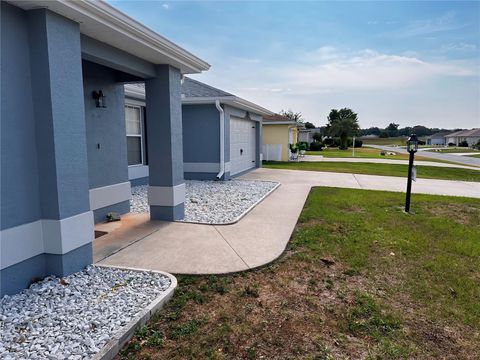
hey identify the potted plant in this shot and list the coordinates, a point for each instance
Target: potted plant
(302, 147)
(294, 151)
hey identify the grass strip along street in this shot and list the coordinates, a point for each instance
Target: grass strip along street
(427, 172)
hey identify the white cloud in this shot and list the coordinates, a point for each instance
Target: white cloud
(459, 47)
(332, 70)
(445, 22)
(328, 77)
(166, 6)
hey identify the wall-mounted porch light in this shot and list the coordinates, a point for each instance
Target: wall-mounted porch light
(99, 99)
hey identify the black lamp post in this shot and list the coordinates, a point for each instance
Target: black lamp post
(412, 147)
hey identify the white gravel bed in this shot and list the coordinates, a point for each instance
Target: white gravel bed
(212, 202)
(75, 316)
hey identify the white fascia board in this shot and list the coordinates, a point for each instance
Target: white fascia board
(234, 101)
(206, 100)
(103, 22)
(279, 123)
(249, 106)
(134, 92)
(229, 100)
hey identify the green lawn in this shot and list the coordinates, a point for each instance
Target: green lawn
(428, 172)
(475, 156)
(370, 153)
(362, 152)
(453, 150)
(400, 140)
(360, 279)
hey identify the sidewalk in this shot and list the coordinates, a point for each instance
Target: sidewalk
(319, 158)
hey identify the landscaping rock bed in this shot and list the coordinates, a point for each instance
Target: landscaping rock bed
(212, 202)
(75, 316)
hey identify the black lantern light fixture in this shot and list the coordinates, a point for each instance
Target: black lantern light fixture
(412, 143)
(412, 147)
(99, 99)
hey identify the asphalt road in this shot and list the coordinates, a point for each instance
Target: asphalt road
(466, 160)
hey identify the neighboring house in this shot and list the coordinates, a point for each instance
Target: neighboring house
(278, 132)
(221, 133)
(437, 138)
(472, 137)
(63, 143)
(306, 135)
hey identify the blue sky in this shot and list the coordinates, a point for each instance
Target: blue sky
(404, 62)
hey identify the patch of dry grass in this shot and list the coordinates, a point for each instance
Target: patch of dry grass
(400, 286)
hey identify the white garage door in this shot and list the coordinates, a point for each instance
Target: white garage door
(242, 145)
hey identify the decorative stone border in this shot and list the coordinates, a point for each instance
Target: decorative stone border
(113, 347)
(238, 218)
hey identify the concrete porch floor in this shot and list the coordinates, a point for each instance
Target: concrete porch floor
(259, 238)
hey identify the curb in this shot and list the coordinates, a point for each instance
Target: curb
(113, 347)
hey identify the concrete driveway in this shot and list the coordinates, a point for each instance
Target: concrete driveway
(259, 238)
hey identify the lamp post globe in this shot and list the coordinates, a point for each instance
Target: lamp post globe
(412, 143)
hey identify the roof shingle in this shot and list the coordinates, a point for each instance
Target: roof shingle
(194, 89)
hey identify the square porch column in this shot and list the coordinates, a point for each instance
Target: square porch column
(166, 192)
(57, 87)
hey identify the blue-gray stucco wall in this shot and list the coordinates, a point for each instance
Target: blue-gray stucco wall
(19, 276)
(100, 215)
(201, 127)
(19, 168)
(44, 172)
(106, 132)
(139, 181)
(57, 91)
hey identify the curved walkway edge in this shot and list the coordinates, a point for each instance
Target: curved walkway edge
(258, 239)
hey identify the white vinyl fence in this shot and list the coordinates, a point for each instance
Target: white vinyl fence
(272, 152)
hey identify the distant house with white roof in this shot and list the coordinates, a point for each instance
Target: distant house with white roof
(472, 137)
(437, 138)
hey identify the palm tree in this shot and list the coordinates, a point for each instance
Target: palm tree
(342, 123)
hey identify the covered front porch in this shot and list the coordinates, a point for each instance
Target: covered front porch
(108, 146)
(66, 64)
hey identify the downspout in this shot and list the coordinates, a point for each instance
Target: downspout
(222, 140)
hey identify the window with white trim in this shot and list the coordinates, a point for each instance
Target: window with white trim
(133, 120)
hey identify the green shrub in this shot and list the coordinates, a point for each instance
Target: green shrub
(303, 145)
(463, 143)
(358, 143)
(316, 146)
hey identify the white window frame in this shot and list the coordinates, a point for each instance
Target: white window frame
(142, 155)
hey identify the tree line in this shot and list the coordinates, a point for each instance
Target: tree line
(394, 130)
(349, 119)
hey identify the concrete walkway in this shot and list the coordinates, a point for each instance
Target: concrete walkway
(319, 158)
(259, 238)
(466, 153)
(465, 160)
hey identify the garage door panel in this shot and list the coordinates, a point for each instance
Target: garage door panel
(242, 145)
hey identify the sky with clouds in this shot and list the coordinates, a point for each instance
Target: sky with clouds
(404, 62)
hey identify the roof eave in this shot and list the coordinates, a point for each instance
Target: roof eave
(100, 12)
(229, 100)
(279, 123)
